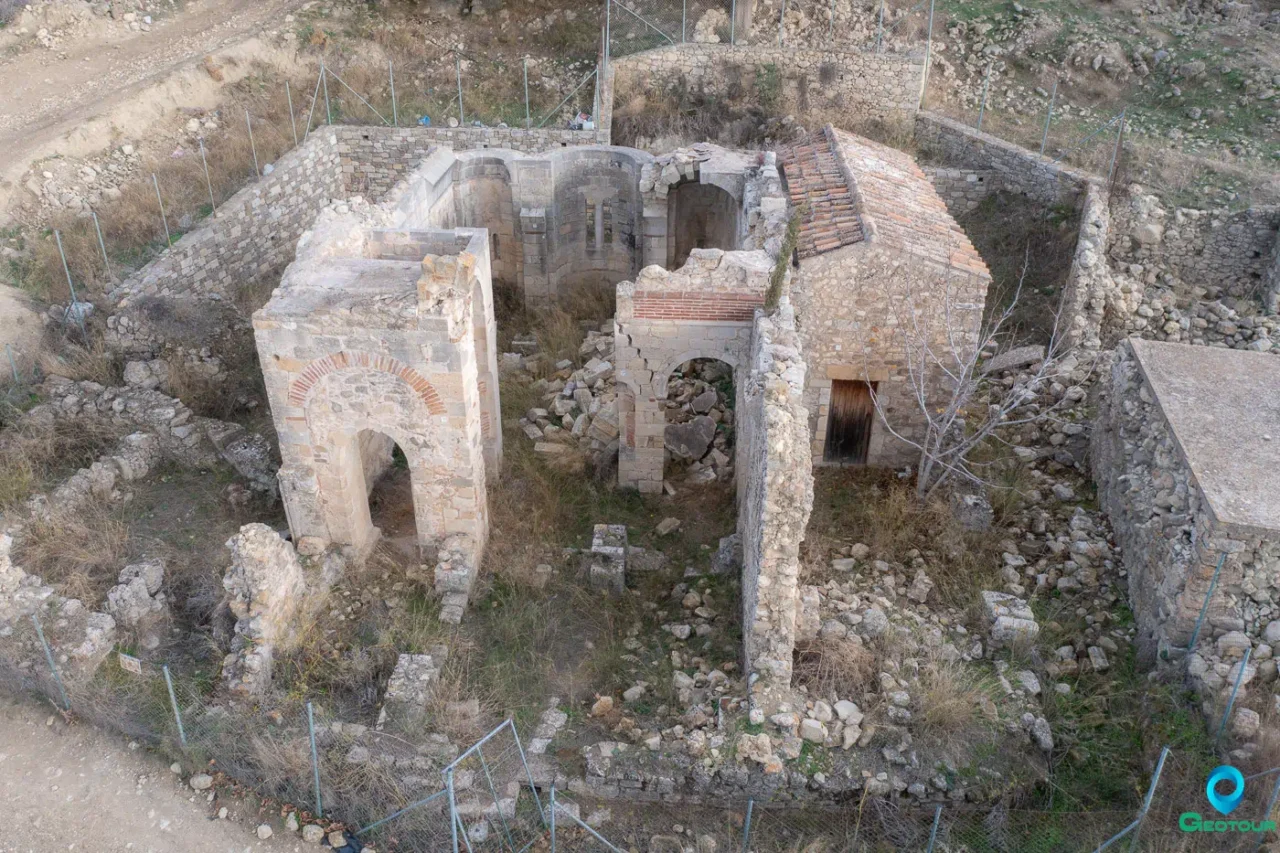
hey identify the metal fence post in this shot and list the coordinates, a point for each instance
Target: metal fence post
(1231, 703)
(1115, 155)
(733, 22)
(453, 808)
(933, 833)
(1044, 140)
(97, 226)
(165, 222)
(553, 818)
(213, 208)
(982, 108)
(293, 124)
(528, 120)
(831, 29)
(79, 316)
(928, 55)
(315, 759)
(462, 115)
(1271, 804)
(248, 122)
(782, 20)
(608, 34)
(324, 81)
(746, 830)
(1204, 608)
(391, 74)
(1146, 802)
(48, 656)
(684, 20)
(880, 28)
(13, 363)
(173, 700)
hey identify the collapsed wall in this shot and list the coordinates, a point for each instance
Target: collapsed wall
(775, 502)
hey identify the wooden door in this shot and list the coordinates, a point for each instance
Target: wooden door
(849, 420)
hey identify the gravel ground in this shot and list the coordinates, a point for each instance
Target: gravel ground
(76, 788)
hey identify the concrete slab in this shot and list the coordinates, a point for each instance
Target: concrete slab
(1223, 406)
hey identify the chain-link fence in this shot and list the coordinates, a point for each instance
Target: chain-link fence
(636, 25)
(409, 793)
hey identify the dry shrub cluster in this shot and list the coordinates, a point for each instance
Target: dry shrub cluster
(80, 552)
(880, 510)
(131, 225)
(954, 702)
(835, 667)
(33, 459)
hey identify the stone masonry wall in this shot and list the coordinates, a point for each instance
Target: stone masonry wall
(702, 310)
(854, 85)
(963, 189)
(955, 145)
(850, 305)
(1170, 542)
(253, 234)
(375, 158)
(776, 500)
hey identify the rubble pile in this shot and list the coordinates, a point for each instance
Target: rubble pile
(699, 413)
(579, 419)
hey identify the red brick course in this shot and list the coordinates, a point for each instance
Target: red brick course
(663, 305)
(321, 367)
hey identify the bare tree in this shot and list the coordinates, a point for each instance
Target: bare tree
(961, 410)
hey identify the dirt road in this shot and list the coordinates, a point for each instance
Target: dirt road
(76, 788)
(106, 80)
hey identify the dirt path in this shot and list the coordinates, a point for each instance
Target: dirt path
(76, 788)
(107, 81)
(43, 91)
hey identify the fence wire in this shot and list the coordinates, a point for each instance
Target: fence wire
(636, 25)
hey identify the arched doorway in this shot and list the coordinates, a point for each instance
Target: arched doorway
(389, 490)
(699, 409)
(699, 216)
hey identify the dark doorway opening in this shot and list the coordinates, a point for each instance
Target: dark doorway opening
(849, 419)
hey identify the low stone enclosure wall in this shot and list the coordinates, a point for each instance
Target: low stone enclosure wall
(1186, 464)
(853, 86)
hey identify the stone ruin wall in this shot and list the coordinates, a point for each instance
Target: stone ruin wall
(663, 319)
(849, 87)
(1172, 544)
(376, 158)
(775, 499)
(1189, 275)
(847, 304)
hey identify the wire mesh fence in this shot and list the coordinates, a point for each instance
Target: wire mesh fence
(637, 25)
(401, 793)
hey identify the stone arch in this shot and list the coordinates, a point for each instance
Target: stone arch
(300, 389)
(662, 375)
(346, 403)
(700, 215)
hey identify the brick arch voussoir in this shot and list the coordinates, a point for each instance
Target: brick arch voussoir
(302, 387)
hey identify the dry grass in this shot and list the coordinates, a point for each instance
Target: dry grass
(92, 363)
(33, 459)
(80, 552)
(952, 704)
(131, 225)
(836, 668)
(876, 508)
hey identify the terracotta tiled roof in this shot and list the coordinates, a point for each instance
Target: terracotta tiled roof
(847, 187)
(819, 190)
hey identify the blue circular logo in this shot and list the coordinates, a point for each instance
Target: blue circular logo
(1225, 803)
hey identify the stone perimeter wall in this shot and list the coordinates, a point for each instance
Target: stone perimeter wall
(775, 501)
(252, 235)
(1171, 542)
(857, 86)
